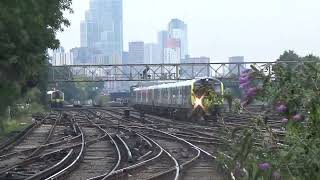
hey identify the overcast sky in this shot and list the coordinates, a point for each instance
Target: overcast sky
(257, 29)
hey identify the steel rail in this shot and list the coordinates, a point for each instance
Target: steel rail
(179, 166)
(67, 169)
(203, 151)
(17, 139)
(112, 142)
(48, 137)
(121, 171)
(54, 168)
(140, 164)
(42, 146)
(129, 154)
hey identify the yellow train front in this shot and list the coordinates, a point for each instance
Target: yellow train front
(56, 98)
(197, 98)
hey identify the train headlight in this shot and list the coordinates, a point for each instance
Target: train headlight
(198, 102)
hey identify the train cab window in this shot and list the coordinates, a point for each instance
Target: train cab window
(56, 95)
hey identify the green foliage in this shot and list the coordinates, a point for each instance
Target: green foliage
(80, 91)
(101, 100)
(296, 87)
(89, 90)
(11, 126)
(27, 29)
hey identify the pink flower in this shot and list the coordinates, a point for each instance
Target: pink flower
(282, 108)
(264, 166)
(285, 120)
(297, 117)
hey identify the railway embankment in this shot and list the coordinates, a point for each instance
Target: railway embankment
(13, 126)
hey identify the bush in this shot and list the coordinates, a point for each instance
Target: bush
(293, 91)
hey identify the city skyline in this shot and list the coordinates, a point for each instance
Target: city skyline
(102, 29)
(219, 29)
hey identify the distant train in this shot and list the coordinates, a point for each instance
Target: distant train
(198, 98)
(77, 103)
(56, 98)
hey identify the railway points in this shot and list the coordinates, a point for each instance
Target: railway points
(107, 143)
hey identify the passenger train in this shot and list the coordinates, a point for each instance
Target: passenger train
(197, 98)
(56, 98)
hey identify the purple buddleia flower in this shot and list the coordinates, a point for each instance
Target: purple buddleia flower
(264, 166)
(297, 117)
(285, 120)
(245, 71)
(282, 108)
(252, 92)
(245, 85)
(244, 79)
(276, 175)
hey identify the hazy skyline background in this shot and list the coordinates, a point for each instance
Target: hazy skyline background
(260, 30)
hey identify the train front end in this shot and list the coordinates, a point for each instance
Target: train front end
(56, 99)
(207, 97)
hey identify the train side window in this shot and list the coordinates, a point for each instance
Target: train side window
(179, 95)
(152, 95)
(147, 95)
(185, 95)
(169, 96)
(136, 96)
(176, 95)
(160, 96)
(141, 95)
(188, 94)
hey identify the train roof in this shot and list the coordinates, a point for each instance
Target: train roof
(53, 91)
(177, 84)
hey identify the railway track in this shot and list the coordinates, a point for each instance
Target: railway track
(183, 152)
(105, 144)
(101, 153)
(28, 159)
(26, 145)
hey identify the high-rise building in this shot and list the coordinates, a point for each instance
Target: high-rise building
(83, 55)
(125, 57)
(136, 52)
(162, 40)
(236, 67)
(189, 69)
(60, 57)
(102, 29)
(178, 30)
(152, 54)
(172, 51)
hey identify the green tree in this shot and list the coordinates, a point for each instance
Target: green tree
(27, 29)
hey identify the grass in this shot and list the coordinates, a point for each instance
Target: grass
(22, 120)
(13, 125)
